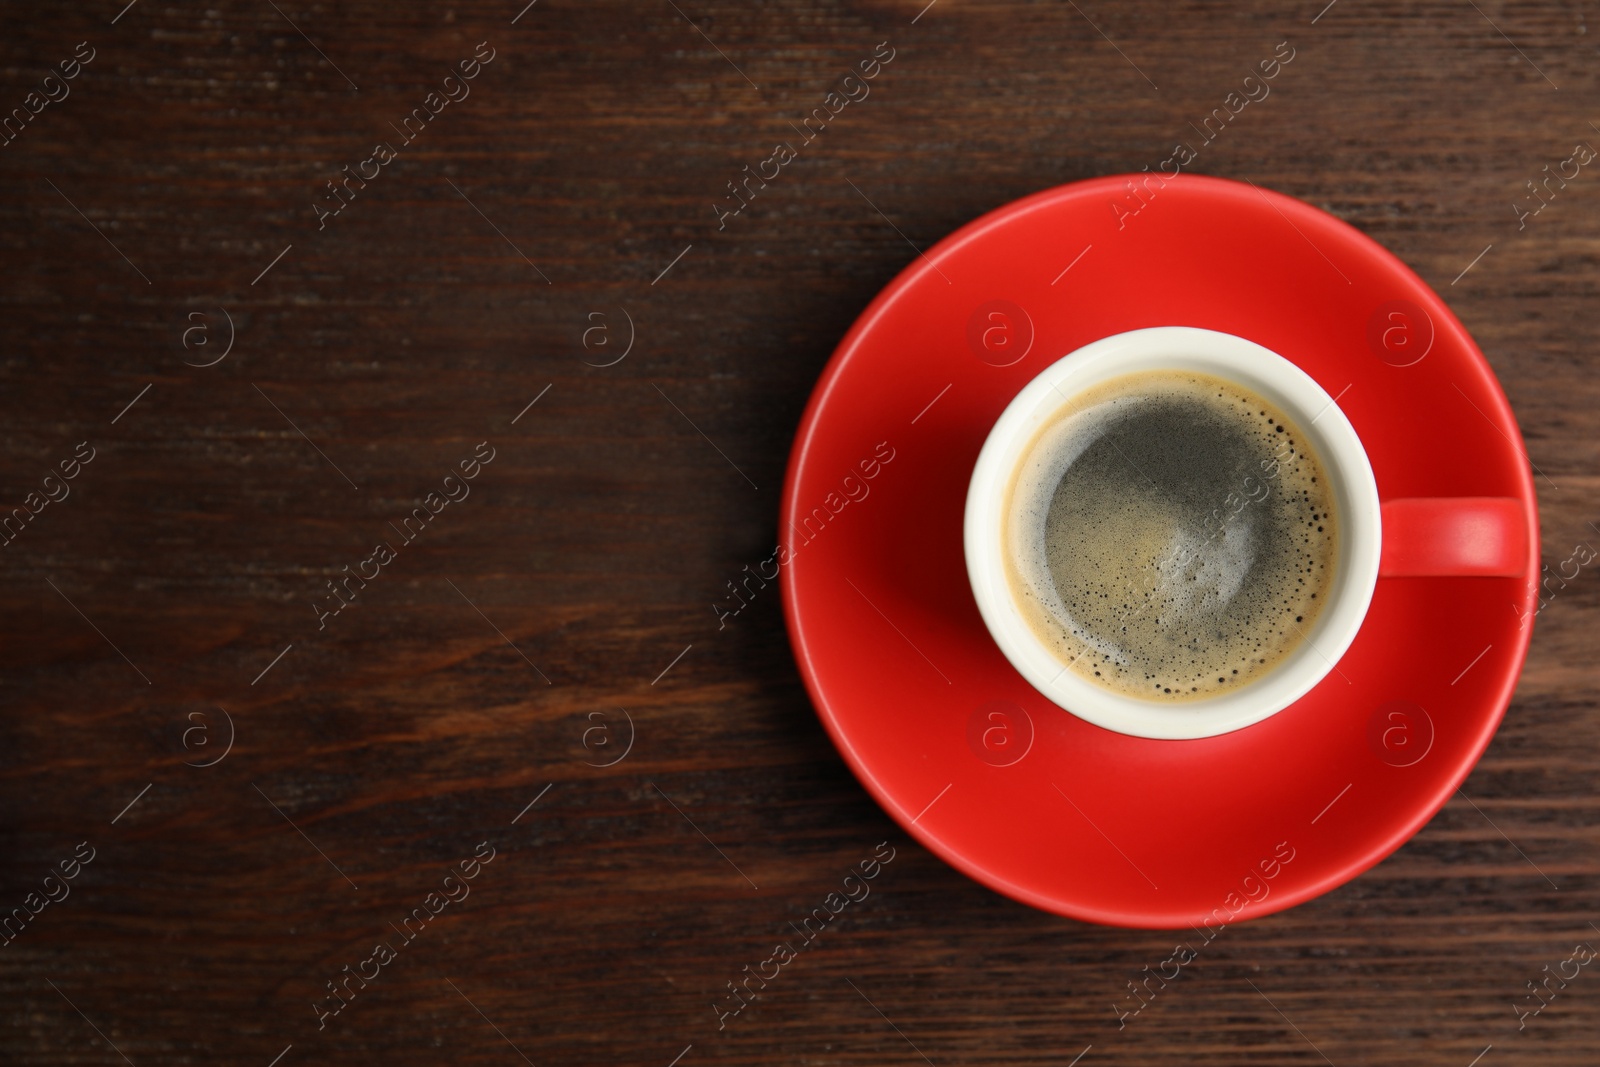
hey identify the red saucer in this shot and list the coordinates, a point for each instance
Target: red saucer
(963, 752)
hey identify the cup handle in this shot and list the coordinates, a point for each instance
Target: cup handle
(1469, 536)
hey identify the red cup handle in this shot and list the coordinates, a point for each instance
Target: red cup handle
(1470, 536)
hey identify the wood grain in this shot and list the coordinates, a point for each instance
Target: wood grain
(418, 723)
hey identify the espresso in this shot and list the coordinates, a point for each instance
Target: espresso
(1170, 535)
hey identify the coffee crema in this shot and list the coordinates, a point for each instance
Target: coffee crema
(1170, 535)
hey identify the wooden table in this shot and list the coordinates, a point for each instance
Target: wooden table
(481, 281)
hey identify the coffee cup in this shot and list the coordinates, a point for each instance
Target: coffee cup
(1076, 599)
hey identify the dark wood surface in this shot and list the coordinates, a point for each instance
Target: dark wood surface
(461, 684)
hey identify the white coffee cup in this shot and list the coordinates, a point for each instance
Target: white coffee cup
(1332, 438)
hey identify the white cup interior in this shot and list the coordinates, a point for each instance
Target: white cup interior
(1331, 437)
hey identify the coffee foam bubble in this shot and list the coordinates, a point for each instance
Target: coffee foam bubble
(1169, 535)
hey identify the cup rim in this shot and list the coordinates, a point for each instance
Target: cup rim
(1228, 356)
